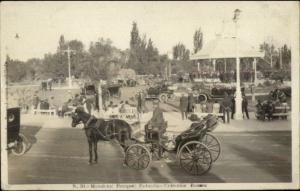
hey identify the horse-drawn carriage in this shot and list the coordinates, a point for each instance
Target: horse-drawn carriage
(16, 141)
(196, 148)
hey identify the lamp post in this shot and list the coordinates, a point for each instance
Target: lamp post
(238, 98)
(68, 51)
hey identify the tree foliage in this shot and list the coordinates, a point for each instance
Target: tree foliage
(180, 52)
(198, 40)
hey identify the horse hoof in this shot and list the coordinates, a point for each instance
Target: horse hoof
(90, 163)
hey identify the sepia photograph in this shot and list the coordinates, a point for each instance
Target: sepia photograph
(149, 95)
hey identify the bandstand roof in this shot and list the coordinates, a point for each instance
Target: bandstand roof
(224, 47)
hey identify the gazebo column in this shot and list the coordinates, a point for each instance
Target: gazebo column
(255, 80)
(225, 64)
(198, 65)
(255, 71)
(214, 65)
(100, 99)
(238, 96)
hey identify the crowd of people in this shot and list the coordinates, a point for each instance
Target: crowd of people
(224, 77)
(226, 106)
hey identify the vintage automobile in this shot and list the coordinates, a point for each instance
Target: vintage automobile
(215, 92)
(17, 142)
(160, 92)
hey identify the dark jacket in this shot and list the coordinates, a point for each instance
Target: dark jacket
(157, 117)
(190, 102)
(183, 103)
(244, 104)
(226, 102)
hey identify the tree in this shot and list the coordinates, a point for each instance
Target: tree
(286, 57)
(62, 44)
(135, 38)
(198, 40)
(180, 52)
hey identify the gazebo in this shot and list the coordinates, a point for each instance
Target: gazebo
(229, 47)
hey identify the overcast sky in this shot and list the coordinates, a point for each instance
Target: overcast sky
(39, 24)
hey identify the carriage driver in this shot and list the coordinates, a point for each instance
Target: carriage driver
(157, 119)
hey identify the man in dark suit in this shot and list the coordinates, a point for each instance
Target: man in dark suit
(232, 106)
(226, 107)
(245, 107)
(190, 106)
(183, 103)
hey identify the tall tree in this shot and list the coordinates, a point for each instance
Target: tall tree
(135, 38)
(198, 40)
(180, 52)
(61, 44)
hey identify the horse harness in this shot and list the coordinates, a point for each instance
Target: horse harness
(86, 126)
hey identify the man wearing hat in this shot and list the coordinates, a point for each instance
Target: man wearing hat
(157, 117)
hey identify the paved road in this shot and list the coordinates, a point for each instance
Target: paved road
(61, 155)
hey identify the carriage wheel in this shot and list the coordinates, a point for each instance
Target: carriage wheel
(203, 98)
(26, 141)
(195, 158)
(213, 144)
(20, 147)
(137, 157)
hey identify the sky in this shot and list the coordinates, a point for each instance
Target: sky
(40, 24)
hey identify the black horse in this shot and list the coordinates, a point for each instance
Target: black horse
(101, 129)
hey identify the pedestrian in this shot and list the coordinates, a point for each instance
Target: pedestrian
(183, 103)
(139, 104)
(190, 102)
(35, 101)
(226, 105)
(260, 110)
(245, 107)
(232, 107)
(89, 104)
(50, 84)
(209, 106)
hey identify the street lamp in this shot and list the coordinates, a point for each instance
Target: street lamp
(68, 51)
(238, 98)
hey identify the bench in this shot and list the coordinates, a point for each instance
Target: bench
(200, 114)
(50, 112)
(283, 112)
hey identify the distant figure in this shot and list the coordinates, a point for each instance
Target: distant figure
(183, 103)
(139, 104)
(89, 105)
(157, 117)
(35, 101)
(44, 86)
(209, 106)
(245, 107)
(50, 84)
(232, 107)
(260, 110)
(190, 102)
(76, 100)
(216, 107)
(226, 105)
(65, 108)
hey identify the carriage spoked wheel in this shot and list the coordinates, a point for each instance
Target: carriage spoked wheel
(137, 157)
(195, 158)
(20, 146)
(213, 144)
